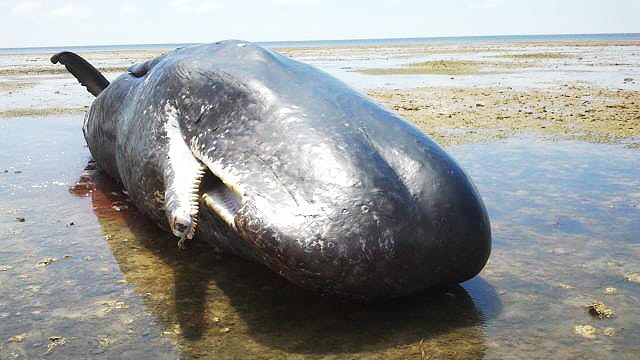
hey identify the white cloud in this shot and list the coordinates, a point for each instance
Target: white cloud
(196, 6)
(128, 10)
(71, 10)
(27, 8)
(209, 5)
(300, 2)
(485, 4)
(180, 3)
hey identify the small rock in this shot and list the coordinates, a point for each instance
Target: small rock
(599, 310)
(21, 219)
(17, 338)
(627, 80)
(5, 267)
(479, 105)
(566, 286)
(104, 341)
(586, 331)
(18, 172)
(55, 341)
(108, 306)
(635, 277)
(71, 223)
(225, 330)
(119, 205)
(216, 319)
(610, 291)
(46, 261)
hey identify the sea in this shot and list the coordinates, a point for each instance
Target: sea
(349, 42)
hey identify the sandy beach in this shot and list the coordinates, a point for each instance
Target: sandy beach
(548, 131)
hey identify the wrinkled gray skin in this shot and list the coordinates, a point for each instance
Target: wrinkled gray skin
(303, 174)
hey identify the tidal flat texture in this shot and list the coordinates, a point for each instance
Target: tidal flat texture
(552, 148)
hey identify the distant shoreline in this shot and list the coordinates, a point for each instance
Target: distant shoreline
(349, 42)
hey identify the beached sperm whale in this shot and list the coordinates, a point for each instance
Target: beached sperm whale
(278, 162)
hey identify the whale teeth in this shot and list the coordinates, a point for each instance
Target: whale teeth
(194, 199)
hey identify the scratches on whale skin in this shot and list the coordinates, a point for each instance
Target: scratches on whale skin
(275, 175)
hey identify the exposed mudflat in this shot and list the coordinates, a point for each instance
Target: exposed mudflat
(458, 115)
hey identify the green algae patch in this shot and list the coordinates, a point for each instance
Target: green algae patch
(14, 85)
(40, 112)
(447, 67)
(544, 55)
(48, 70)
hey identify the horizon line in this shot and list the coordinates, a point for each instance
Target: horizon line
(331, 40)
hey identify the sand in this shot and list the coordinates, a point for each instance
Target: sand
(459, 115)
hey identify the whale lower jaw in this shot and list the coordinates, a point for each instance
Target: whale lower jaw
(221, 200)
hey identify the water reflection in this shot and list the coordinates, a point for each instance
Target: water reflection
(217, 304)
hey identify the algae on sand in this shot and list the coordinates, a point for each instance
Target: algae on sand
(543, 55)
(447, 67)
(40, 112)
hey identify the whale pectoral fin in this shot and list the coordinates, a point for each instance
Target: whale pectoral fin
(87, 75)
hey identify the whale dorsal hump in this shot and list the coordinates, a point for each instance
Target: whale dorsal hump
(87, 75)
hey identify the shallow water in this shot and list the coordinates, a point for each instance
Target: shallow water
(566, 224)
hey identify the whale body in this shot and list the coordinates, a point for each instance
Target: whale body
(278, 162)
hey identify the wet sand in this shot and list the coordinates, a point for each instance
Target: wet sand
(549, 135)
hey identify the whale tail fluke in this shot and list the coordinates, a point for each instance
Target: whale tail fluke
(87, 75)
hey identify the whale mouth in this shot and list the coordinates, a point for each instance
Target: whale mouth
(220, 198)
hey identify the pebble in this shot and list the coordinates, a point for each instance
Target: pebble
(46, 261)
(55, 341)
(119, 206)
(586, 331)
(599, 310)
(17, 338)
(5, 267)
(635, 277)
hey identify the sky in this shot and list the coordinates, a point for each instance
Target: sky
(34, 23)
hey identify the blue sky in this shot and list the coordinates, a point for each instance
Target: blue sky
(27, 23)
